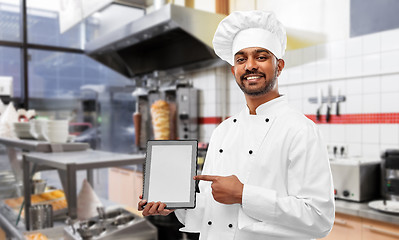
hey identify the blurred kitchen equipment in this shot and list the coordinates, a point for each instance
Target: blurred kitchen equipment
(140, 46)
(182, 99)
(385, 206)
(113, 224)
(38, 186)
(390, 174)
(41, 216)
(137, 124)
(143, 112)
(187, 112)
(356, 179)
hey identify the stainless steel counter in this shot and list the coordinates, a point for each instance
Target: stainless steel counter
(364, 211)
(42, 146)
(67, 164)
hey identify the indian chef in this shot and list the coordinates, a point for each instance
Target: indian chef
(267, 173)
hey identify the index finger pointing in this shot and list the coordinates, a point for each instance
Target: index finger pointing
(209, 178)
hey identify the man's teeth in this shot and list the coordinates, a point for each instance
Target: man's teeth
(250, 78)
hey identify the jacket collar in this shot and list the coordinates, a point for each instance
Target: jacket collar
(269, 107)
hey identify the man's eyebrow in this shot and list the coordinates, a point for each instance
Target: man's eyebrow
(263, 50)
(238, 53)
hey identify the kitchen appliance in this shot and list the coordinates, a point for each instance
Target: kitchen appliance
(187, 112)
(390, 174)
(356, 179)
(41, 216)
(183, 105)
(159, 40)
(114, 224)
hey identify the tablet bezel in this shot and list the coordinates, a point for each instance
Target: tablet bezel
(147, 167)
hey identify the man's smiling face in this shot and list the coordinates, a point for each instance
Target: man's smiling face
(256, 70)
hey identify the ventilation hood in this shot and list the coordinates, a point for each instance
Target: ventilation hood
(171, 37)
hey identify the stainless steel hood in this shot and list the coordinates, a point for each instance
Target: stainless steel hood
(168, 38)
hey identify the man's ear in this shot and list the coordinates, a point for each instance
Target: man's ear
(280, 66)
(232, 70)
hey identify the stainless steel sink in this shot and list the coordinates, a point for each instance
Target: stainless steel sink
(115, 224)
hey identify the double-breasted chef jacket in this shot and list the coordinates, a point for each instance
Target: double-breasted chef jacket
(279, 156)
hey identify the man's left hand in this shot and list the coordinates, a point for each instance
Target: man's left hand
(227, 190)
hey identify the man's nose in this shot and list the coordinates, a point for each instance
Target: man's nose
(251, 64)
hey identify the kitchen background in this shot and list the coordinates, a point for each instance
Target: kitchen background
(326, 50)
(342, 54)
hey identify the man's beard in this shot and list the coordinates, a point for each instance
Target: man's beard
(261, 91)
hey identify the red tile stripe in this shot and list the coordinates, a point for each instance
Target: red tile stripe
(210, 120)
(360, 118)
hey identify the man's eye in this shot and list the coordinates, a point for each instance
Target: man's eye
(262, 57)
(240, 60)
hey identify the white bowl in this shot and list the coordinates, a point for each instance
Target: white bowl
(58, 123)
(57, 138)
(57, 128)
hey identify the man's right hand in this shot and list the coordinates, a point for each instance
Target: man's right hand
(153, 208)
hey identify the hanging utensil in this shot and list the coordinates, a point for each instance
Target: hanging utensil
(137, 125)
(329, 104)
(338, 112)
(319, 103)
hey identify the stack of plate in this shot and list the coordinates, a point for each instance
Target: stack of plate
(24, 130)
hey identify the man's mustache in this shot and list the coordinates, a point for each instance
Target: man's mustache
(247, 72)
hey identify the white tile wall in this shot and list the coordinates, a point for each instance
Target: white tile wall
(338, 68)
(371, 43)
(390, 102)
(365, 69)
(390, 61)
(371, 103)
(390, 83)
(389, 40)
(354, 66)
(354, 134)
(370, 133)
(371, 84)
(389, 134)
(371, 64)
(354, 47)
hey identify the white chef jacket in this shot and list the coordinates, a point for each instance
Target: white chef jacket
(279, 156)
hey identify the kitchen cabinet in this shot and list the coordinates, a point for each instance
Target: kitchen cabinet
(372, 230)
(346, 227)
(125, 186)
(357, 228)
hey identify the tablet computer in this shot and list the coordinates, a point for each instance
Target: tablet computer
(169, 170)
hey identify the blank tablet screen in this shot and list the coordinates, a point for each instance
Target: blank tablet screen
(170, 168)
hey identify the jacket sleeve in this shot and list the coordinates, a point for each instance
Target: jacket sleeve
(307, 210)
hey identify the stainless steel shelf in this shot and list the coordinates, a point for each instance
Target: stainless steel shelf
(42, 146)
(67, 164)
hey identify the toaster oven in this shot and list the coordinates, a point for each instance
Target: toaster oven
(356, 179)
